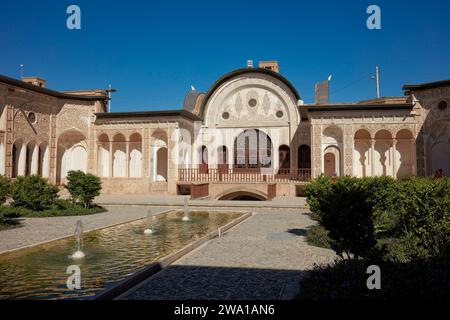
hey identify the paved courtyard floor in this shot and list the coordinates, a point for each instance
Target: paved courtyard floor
(262, 258)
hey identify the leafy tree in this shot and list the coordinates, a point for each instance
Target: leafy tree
(83, 188)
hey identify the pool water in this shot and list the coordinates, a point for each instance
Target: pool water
(111, 255)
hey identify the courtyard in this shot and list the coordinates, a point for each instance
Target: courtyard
(262, 257)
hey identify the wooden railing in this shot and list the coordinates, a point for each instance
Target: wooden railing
(230, 175)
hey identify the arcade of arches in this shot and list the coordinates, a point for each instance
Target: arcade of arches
(275, 139)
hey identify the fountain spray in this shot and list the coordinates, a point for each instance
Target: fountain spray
(78, 254)
(149, 230)
(185, 211)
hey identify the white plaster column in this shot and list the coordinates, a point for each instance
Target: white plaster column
(35, 160)
(394, 158)
(22, 163)
(153, 162)
(111, 159)
(372, 157)
(127, 159)
(413, 158)
(46, 163)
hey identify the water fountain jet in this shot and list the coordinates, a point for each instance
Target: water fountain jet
(78, 254)
(149, 230)
(185, 211)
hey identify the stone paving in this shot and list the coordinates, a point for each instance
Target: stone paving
(262, 258)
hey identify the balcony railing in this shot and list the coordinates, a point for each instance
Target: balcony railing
(234, 175)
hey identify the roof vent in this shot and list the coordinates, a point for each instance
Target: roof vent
(270, 65)
(323, 92)
(36, 81)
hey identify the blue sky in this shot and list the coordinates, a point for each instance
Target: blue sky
(153, 51)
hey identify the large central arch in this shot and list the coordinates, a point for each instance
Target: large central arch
(252, 150)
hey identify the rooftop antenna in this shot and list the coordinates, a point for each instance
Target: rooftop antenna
(21, 71)
(377, 80)
(110, 90)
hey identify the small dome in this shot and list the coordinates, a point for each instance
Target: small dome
(191, 99)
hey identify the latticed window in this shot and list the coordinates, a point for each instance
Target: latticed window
(252, 150)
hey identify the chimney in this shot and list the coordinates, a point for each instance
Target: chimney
(270, 65)
(323, 92)
(36, 81)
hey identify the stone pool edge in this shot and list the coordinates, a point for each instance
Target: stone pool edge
(146, 272)
(47, 242)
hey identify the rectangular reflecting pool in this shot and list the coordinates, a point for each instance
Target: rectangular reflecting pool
(111, 255)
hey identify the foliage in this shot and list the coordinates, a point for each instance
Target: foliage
(53, 211)
(382, 217)
(346, 214)
(318, 236)
(5, 186)
(423, 226)
(346, 279)
(83, 187)
(33, 192)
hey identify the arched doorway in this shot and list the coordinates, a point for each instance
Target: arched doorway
(404, 155)
(243, 196)
(304, 157)
(284, 153)
(331, 161)
(135, 157)
(362, 153)
(159, 161)
(119, 156)
(383, 155)
(72, 154)
(222, 159)
(103, 156)
(203, 156)
(252, 151)
(161, 164)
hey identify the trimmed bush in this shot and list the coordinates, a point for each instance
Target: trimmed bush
(83, 188)
(423, 226)
(382, 217)
(33, 192)
(346, 279)
(318, 236)
(4, 189)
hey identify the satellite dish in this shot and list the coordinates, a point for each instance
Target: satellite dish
(192, 88)
(329, 77)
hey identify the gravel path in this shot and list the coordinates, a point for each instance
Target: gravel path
(261, 258)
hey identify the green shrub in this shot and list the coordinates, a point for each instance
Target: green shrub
(83, 188)
(318, 236)
(423, 226)
(65, 208)
(346, 279)
(346, 214)
(380, 216)
(4, 189)
(33, 192)
(316, 192)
